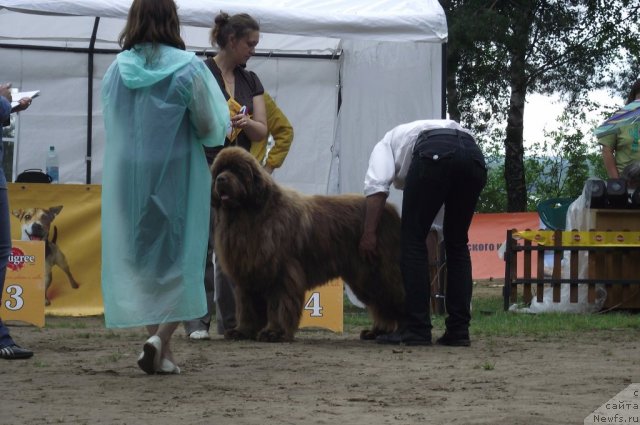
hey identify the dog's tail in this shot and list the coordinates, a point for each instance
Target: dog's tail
(55, 234)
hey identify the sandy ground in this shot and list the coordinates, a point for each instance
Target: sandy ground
(83, 373)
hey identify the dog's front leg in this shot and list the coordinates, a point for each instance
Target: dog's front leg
(284, 310)
(47, 283)
(251, 315)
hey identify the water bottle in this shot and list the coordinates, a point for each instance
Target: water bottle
(52, 165)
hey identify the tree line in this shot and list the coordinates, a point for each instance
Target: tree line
(499, 52)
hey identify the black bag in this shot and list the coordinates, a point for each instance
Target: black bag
(33, 175)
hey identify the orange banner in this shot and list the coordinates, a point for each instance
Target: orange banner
(487, 234)
(68, 217)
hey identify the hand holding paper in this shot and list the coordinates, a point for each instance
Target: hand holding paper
(22, 100)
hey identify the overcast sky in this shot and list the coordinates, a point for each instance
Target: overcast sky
(541, 113)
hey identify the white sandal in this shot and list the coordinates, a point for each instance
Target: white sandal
(149, 360)
(167, 367)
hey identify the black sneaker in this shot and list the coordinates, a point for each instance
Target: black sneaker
(416, 341)
(405, 338)
(392, 338)
(14, 352)
(454, 341)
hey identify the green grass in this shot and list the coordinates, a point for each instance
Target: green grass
(490, 319)
(486, 366)
(67, 324)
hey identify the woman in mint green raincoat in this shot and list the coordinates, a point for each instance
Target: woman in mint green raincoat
(161, 105)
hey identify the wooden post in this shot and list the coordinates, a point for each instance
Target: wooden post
(509, 290)
(573, 275)
(526, 292)
(540, 274)
(557, 264)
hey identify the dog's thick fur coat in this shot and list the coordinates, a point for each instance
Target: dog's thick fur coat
(276, 243)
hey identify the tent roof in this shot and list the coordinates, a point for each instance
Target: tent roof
(381, 20)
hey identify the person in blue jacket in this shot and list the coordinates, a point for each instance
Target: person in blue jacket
(161, 106)
(9, 350)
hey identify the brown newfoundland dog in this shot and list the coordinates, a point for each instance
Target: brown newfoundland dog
(276, 243)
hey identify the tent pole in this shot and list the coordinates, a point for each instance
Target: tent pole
(92, 44)
(443, 89)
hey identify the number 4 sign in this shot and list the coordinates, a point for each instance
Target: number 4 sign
(23, 294)
(323, 307)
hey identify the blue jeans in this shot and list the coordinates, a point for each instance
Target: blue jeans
(5, 250)
(447, 168)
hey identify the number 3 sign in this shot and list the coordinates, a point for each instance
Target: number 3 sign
(323, 307)
(23, 294)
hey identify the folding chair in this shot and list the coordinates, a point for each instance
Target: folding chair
(553, 212)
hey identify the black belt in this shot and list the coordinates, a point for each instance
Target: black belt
(425, 136)
(445, 132)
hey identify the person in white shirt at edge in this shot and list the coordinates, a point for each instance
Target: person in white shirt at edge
(436, 163)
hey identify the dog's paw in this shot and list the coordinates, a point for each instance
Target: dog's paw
(368, 334)
(270, 335)
(235, 335)
(371, 334)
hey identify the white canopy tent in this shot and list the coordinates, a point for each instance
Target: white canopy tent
(343, 71)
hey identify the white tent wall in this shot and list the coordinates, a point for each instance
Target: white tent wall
(306, 91)
(383, 84)
(389, 72)
(59, 115)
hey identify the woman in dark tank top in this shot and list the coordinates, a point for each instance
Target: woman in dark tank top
(237, 37)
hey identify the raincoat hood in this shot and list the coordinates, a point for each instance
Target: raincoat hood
(146, 64)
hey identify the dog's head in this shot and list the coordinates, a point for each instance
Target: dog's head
(36, 222)
(239, 181)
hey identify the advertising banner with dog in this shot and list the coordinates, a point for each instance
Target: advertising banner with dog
(67, 219)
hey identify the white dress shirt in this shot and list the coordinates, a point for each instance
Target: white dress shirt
(390, 159)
